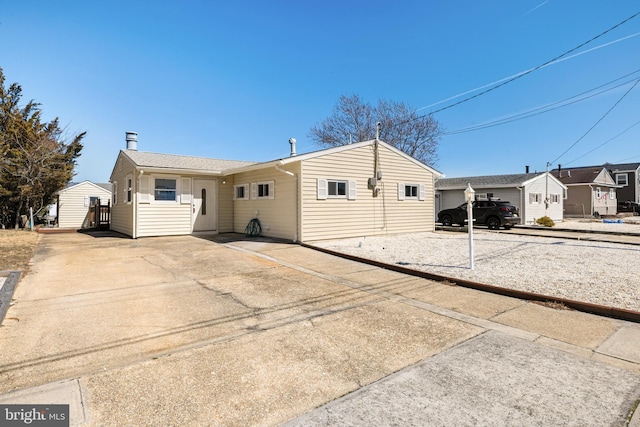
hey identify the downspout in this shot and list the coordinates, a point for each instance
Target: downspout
(135, 204)
(295, 235)
(591, 199)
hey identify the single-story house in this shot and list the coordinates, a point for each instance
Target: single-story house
(360, 189)
(72, 209)
(534, 194)
(627, 176)
(591, 191)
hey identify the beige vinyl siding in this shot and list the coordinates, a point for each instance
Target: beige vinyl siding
(225, 204)
(366, 215)
(277, 216)
(164, 219)
(121, 211)
(73, 204)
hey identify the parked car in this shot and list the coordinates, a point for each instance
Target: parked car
(629, 206)
(492, 213)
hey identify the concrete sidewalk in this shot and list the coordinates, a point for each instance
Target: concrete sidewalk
(189, 331)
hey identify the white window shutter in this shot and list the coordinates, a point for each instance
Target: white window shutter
(400, 191)
(422, 192)
(86, 201)
(143, 191)
(185, 190)
(352, 190)
(272, 189)
(114, 196)
(322, 189)
(254, 190)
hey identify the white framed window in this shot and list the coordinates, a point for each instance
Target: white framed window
(411, 191)
(114, 194)
(555, 198)
(263, 190)
(622, 179)
(598, 192)
(128, 197)
(165, 189)
(241, 192)
(336, 189)
(535, 198)
(612, 194)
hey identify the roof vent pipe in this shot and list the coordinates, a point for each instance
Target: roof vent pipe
(526, 169)
(132, 140)
(292, 141)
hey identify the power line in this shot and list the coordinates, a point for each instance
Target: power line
(604, 143)
(531, 69)
(596, 123)
(546, 108)
(518, 76)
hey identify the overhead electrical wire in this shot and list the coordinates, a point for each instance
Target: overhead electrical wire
(546, 108)
(536, 68)
(597, 122)
(604, 143)
(526, 71)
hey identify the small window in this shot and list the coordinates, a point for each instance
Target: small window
(411, 191)
(555, 198)
(263, 190)
(165, 189)
(114, 195)
(535, 198)
(337, 188)
(612, 194)
(241, 192)
(598, 192)
(129, 189)
(622, 179)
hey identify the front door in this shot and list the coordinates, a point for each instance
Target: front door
(204, 205)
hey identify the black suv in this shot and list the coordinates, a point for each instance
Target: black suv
(629, 206)
(492, 213)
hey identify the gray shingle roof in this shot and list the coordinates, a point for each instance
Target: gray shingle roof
(173, 161)
(485, 181)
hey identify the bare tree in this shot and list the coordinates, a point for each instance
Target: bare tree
(354, 120)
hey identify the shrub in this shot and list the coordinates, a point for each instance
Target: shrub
(545, 221)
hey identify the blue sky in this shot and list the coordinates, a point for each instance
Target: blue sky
(235, 80)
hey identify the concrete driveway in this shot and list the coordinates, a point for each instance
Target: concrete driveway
(232, 332)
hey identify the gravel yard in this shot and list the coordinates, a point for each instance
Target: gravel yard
(596, 272)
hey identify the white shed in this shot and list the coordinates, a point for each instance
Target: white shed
(75, 200)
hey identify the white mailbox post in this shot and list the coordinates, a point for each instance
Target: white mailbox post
(469, 196)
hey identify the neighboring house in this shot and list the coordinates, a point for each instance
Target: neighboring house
(591, 191)
(72, 207)
(360, 189)
(534, 194)
(627, 176)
